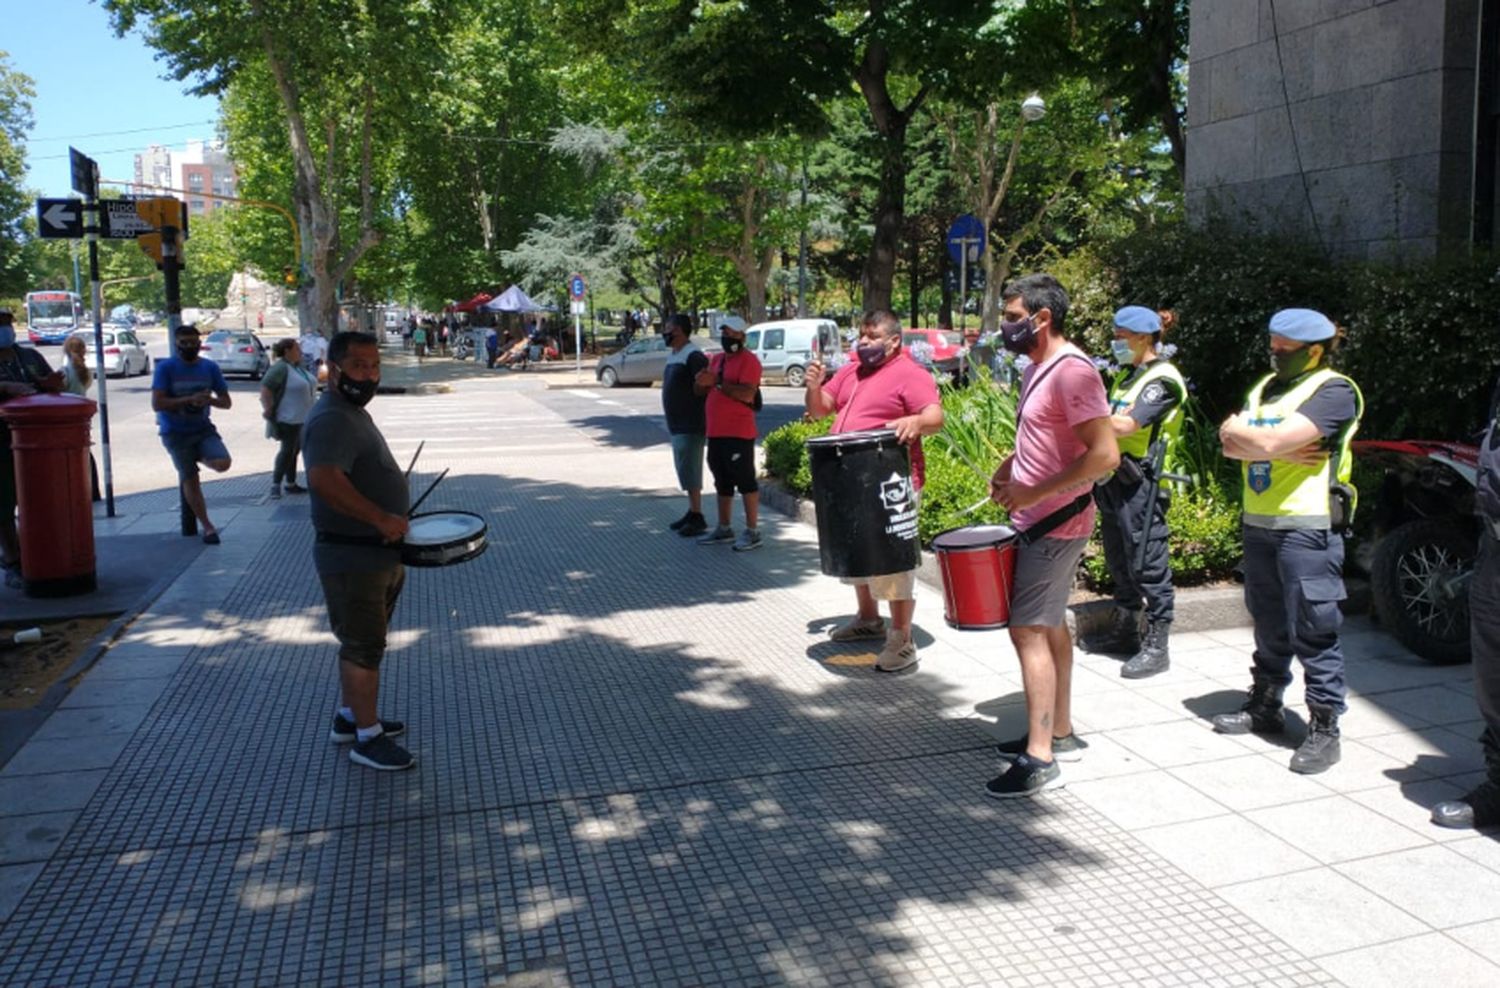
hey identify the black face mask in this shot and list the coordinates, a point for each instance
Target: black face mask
(1019, 337)
(189, 351)
(731, 344)
(358, 393)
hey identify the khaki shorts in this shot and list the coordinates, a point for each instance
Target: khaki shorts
(892, 586)
(360, 604)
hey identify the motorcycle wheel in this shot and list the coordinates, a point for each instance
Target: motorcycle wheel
(1415, 564)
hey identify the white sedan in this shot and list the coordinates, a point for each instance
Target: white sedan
(124, 354)
(237, 353)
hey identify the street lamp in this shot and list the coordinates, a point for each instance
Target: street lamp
(1033, 108)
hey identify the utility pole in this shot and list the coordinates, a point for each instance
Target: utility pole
(96, 292)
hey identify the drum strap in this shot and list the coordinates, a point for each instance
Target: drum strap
(1056, 518)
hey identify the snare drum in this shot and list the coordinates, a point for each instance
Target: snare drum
(443, 538)
(978, 566)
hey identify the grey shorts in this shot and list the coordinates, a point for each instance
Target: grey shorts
(687, 457)
(1045, 571)
(360, 604)
(188, 449)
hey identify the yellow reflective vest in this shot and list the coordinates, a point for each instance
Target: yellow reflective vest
(1281, 495)
(1125, 392)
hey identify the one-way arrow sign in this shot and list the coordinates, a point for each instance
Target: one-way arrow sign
(59, 219)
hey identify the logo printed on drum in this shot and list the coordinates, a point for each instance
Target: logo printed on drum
(901, 511)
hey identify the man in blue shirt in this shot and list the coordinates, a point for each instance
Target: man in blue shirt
(183, 389)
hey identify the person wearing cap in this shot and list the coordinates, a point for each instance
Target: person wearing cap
(731, 382)
(23, 372)
(1480, 806)
(1145, 404)
(1292, 438)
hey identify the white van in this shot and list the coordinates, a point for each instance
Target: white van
(785, 346)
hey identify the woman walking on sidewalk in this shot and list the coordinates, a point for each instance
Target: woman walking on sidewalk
(286, 395)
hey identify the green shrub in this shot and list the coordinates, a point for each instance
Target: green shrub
(1204, 540)
(786, 453)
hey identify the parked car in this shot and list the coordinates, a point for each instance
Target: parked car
(641, 362)
(237, 353)
(945, 343)
(786, 346)
(124, 354)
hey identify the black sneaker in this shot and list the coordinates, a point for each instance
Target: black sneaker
(1026, 777)
(677, 525)
(343, 731)
(695, 526)
(382, 754)
(1066, 749)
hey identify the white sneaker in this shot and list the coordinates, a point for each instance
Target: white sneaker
(855, 630)
(749, 539)
(899, 653)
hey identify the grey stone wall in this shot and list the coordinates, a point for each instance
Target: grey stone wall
(1380, 96)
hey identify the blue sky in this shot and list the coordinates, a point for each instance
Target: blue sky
(91, 87)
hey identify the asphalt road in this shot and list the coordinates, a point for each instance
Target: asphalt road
(627, 416)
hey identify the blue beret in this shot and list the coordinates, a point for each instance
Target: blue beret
(1138, 319)
(1303, 325)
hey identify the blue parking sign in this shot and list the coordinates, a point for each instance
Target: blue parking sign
(577, 287)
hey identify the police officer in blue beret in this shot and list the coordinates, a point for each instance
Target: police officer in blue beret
(1481, 806)
(1292, 438)
(1146, 409)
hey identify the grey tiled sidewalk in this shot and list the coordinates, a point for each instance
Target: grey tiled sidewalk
(641, 763)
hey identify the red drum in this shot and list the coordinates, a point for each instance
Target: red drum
(978, 565)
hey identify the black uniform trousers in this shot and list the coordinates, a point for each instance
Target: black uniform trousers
(1484, 636)
(1123, 522)
(1294, 580)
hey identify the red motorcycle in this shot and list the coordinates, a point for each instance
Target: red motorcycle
(1425, 539)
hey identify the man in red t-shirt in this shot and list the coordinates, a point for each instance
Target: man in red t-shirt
(882, 389)
(731, 382)
(1064, 442)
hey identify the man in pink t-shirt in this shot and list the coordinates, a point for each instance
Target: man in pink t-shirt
(731, 381)
(1064, 442)
(882, 389)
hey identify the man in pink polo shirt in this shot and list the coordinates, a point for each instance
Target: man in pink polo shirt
(1064, 442)
(882, 389)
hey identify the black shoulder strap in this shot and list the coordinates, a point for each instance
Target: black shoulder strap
(1042, 374)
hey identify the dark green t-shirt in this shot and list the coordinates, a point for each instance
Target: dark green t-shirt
(340, 434)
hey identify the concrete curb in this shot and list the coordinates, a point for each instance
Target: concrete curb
(1197, 608)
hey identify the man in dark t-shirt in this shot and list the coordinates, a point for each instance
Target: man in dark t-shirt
(683, 408)
(359, 500)
(23, 372)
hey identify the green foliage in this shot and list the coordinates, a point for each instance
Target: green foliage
(1423, 329)
(16, 93)
(786, 453)
(1204, 542)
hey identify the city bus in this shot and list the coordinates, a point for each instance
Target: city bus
(51, 316)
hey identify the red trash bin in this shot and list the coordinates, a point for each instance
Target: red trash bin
(49, 438)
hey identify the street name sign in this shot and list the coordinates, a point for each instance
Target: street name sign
(59, 219)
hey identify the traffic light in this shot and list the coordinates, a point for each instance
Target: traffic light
(288, 275)
(159, 212)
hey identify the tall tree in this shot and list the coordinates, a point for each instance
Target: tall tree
(16, 94)
(895, 53)
(343, 73)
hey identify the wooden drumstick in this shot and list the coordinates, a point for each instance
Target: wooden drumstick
(436, 480)
(414, 458)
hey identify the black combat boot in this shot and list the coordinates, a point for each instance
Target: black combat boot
(1261, 713)
(1121, 635)
(1153, 657)
(1320, 750)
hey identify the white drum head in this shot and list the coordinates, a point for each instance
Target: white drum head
(443, 527)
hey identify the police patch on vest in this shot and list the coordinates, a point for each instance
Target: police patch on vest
(1259, 476)
(1155, 393)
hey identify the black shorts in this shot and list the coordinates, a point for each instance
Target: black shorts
(732, 462)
